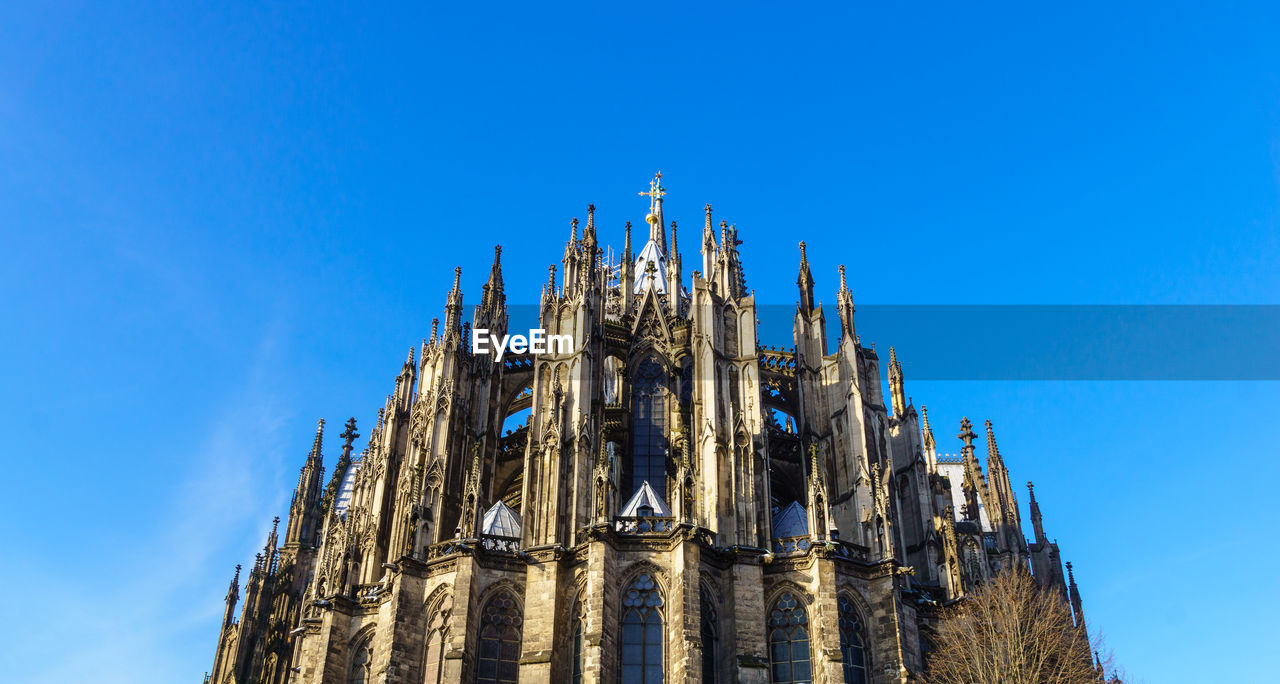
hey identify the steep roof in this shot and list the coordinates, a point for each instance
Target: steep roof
(792, 521)
(651, 254)
(501, 521)
(347, 489)
(646, 497)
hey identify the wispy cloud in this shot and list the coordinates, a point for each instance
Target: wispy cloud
(132, 622)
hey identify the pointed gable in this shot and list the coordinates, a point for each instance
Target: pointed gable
(646, 504)
(501, 521)
(655, 279)
(792, 521)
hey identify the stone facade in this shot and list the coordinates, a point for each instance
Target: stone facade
(681, 504)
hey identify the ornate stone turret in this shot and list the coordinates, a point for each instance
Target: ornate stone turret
(926, 433)
(491, 314)
(1077, 605)
(708, 247)
(453, 308)
(1002, 508)
(844, 304)
(805, 282)
(1036, 523)
(307, 509)
(897, 393)
(975, 484)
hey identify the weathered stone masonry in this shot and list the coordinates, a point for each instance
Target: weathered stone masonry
(682, 503)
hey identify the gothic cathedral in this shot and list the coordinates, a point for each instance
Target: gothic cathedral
(682, 504)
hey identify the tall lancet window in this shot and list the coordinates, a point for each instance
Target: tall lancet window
(578, 643)
(649, 428)
(853, 645)
(362, 662)
(789, 642)
(499, 659)
(437, 632)
(642, 633)
(710, 642)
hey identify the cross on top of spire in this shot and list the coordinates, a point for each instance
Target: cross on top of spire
(656, 191)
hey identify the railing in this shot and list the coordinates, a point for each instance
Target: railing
(644, 525)
(441, 549)
(844, 549)
(497, 544)
(365, 592)
(799, 544)
(777, 360)
(517, 361)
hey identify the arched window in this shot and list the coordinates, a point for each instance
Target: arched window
(648, 428)
(710, 643)
(642, 633)
(789, 642)
(437, 632)
(853, 645)
(499, 659)
(577, 651)
(362, 662)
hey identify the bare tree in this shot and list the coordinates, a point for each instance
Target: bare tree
(1010, 631)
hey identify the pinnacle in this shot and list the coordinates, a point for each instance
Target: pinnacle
(315, 446)
(966, 432)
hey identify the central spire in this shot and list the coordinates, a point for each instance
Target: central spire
(654, 217)
(652, 265)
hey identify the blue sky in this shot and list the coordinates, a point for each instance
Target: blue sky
(222, 223)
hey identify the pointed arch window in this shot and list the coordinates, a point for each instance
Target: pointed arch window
(362, 662)
(642, 635)
(648, 428)
(500, 624)
(575, 628)
(789, 642)
(710, 640)
(577, 651)
(437, 633)
(853, 645)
